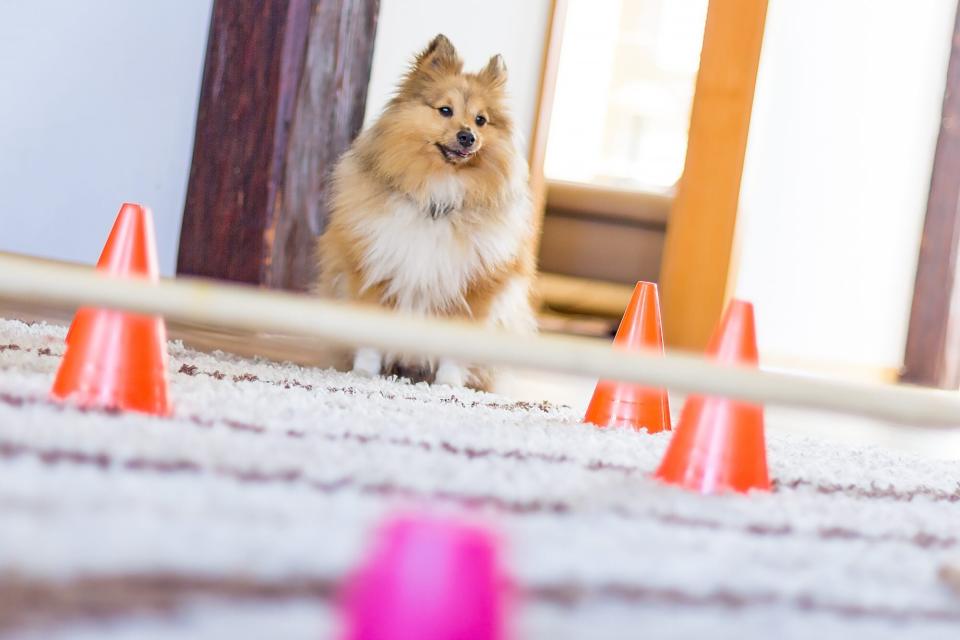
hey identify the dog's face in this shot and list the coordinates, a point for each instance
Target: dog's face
(456, 118)
(457, 122)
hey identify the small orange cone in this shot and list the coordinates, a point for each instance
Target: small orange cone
(115, 359)
(719, 444)
(121, 257)
(622, 404)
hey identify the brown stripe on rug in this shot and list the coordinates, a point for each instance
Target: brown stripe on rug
(32, 603)
(103, 460)
(870, 492)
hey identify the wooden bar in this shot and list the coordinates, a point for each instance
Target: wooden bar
(247, 308)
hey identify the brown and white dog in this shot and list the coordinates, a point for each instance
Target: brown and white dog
(431, 212)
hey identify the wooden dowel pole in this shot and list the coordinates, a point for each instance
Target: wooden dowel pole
(247, 308)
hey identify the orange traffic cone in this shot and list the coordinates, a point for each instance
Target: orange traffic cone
(719, 444)
(616, 404)
(121, 257)
(115, 359)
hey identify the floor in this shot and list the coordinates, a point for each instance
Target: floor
(242, 514)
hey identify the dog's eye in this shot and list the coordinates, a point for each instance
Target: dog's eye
(480, 120)
(446, 112)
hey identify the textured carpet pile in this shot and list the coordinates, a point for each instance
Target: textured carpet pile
(238, 516)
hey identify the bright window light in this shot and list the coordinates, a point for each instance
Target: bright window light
(624, 89)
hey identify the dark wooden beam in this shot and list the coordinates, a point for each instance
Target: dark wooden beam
(255, 54)
(932, 356)
(283, 93)
(329, 114)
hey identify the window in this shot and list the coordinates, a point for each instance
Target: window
(625, 84)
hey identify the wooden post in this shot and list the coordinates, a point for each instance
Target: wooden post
(698, 250)
(541, 127)
(283, 93)
(932, 355)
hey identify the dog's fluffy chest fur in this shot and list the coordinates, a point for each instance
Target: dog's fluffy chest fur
(426, 255)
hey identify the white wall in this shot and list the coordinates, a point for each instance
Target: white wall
(838, 166)
(99, 105)
(479, 29)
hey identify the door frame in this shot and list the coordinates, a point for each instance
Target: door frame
(932, 354)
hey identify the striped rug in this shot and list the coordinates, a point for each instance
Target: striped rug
(238, 516)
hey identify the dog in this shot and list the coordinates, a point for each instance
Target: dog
(431, 213)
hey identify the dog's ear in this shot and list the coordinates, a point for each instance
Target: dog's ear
(495, 73)
(439, 56)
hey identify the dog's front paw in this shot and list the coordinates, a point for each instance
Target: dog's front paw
(451, 374)
(367, 362)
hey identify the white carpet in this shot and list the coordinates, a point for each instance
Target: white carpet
(238, 516)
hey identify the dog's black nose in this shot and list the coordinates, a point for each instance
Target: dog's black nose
(466, 139)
